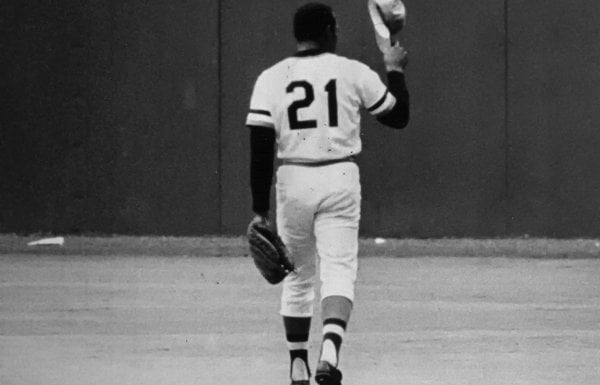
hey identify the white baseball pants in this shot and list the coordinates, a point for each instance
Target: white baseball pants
(318, 212)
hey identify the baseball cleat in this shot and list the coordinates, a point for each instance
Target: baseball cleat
(327, 374)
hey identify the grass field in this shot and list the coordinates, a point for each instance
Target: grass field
(156, 310)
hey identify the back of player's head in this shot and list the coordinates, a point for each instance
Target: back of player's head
(312, 20)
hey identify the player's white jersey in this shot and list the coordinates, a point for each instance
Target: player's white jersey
(314, 102)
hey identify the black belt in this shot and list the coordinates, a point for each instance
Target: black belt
(287, 162)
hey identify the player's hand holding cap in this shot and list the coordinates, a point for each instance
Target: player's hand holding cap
(395, 58)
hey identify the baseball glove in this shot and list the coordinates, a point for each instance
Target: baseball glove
(270, 255)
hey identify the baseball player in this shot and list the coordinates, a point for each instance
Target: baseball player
(308, 107)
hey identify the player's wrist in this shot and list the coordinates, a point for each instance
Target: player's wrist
(394, 67)
(262, 214)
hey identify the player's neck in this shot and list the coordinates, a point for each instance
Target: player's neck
(324, 46)
(307, 45)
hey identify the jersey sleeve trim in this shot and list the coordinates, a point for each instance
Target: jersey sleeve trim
(260, 112)
(379, 102)
(259, 118)
(385, 103)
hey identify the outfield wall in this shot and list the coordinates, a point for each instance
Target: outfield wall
(127, 117)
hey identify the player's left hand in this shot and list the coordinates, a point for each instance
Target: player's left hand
(395, 57)
(268, 251)
(262, 218)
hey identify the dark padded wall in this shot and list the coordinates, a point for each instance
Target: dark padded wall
(246, 51)
(554, 115)
(128, 116)
(443, 176)
(109, 117)
(167, 108)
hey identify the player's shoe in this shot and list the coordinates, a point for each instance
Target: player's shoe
(327, 374)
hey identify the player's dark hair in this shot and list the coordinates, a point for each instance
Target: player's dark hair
(312, 20)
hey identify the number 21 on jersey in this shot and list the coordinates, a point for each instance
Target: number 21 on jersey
(309, 98)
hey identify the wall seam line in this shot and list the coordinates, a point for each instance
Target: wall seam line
(220, 116)
(507, 197)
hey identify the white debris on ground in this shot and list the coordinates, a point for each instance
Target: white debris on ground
(55, 241)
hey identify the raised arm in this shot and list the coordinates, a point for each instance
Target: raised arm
(395, 59)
